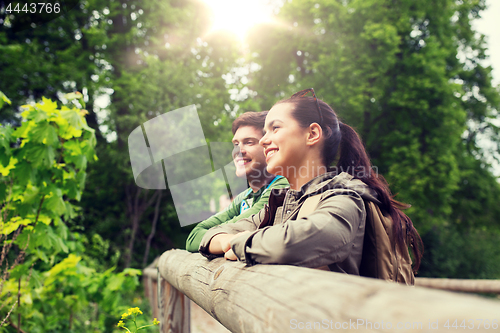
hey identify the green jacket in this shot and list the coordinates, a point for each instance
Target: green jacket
(234, 212)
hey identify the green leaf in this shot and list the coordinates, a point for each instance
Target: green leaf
(73, 147)
(115, 282)
(62, 230)
(41, 254)
(38, 116)
(81, 176)
(5, 140)
(40, 155)
(24, 173)
(67, 264)
(72, 190)
(70, 211)
(4, 99)
(36, 279)
(88, 148)
(31, 194)
(73, 117)
(5, 170)
(80, 161)
(23, 130)
(47, 105)
(55, 203)
(13, 225)
(60, 245)
(44, 133)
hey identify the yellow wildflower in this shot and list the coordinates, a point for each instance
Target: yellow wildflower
(135, 311)
(156, 322)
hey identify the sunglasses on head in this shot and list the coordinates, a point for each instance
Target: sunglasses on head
(304, 92)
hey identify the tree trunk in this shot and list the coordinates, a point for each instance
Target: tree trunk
(153, 230)
(136, 206)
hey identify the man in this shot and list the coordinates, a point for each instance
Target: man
(250, 162)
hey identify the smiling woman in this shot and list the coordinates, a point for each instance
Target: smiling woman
(238, 16)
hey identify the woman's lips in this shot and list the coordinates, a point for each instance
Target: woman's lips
(270, 153)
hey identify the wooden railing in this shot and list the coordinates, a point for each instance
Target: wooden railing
(280, 298)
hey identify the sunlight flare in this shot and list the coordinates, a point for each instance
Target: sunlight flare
(238, 16)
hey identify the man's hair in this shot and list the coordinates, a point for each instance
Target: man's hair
(251, 118)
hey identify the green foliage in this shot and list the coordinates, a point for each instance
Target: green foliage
(45, 279)
(152, 61)
(455, 253)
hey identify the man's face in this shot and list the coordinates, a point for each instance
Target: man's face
(248, 155)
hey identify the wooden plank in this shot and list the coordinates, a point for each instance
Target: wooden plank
(149, 278)
(174, 309)
(473, 286)
(148, 291)
(154, 299)
(280, 298)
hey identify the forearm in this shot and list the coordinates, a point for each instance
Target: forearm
(323, 237)
(195, 237)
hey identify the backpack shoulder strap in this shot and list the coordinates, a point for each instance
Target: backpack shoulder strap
(309, 205)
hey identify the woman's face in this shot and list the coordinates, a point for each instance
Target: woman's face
(284, 142)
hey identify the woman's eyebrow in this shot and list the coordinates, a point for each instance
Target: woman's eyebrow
(272, 123)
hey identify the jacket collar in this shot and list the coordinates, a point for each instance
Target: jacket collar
(324, 182)
(331, 181)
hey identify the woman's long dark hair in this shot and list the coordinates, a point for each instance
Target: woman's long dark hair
(343, 144)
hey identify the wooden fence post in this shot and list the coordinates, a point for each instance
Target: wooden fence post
(174, 308)
(149, 280)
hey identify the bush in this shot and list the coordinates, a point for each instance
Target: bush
(49, 283)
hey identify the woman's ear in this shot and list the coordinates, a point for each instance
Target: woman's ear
(314, 134)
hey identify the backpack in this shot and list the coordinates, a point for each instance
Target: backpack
(381, 257)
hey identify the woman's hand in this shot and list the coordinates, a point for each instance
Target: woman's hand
(229, 254)
(221, 243)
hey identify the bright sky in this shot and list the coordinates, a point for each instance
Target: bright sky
(489, 25)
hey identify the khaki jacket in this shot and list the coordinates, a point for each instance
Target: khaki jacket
(332, 235)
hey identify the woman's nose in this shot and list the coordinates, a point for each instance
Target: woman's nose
(264, 141)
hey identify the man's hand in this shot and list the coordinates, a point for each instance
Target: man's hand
(229, 254)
